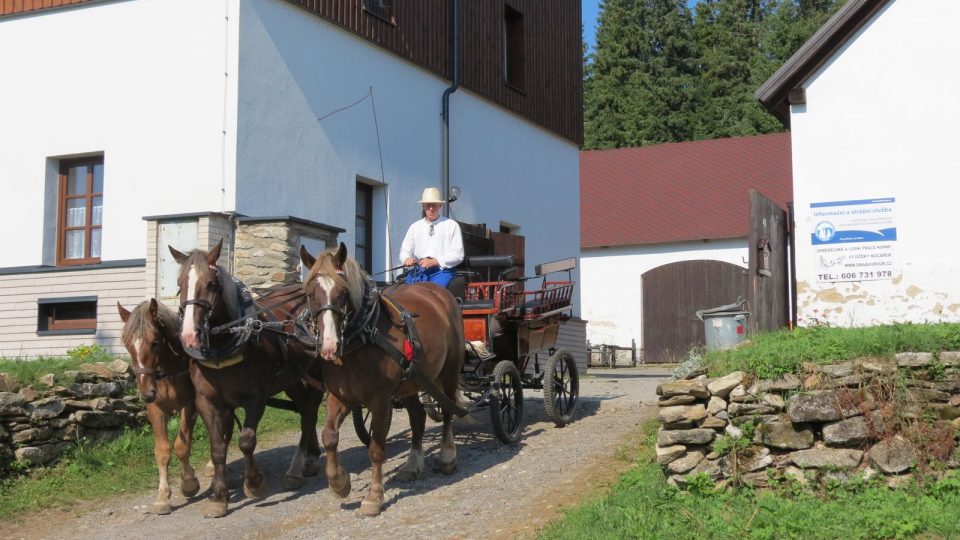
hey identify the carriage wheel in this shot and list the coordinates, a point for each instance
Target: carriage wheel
(361, 424)
(561, 386)
(431, 407)
(506, 402)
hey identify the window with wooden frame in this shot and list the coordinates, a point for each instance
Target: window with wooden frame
(513, 69)
(77, 315)
(381, 9)
(364, 232)
(80, 207)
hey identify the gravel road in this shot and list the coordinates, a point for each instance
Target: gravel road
(498, 491)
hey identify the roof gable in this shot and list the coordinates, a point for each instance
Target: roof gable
(679, 191)
(783, 88)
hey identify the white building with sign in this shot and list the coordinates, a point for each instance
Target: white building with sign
(872, 108)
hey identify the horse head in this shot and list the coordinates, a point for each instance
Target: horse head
(200, 293)
(334, 290)
(150, 336)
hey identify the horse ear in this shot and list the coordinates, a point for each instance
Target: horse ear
(214, 253)
(153, 308)
(124, 312)
(177, 256)
(341, 255)
(306, 258)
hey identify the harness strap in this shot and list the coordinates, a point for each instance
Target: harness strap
(409, 359)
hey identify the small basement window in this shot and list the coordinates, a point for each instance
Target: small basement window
(57, 316)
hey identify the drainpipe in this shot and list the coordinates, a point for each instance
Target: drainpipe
(455, 57)
(792, 282)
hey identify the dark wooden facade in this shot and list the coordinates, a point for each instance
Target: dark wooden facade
(673, 293)
(420, 32)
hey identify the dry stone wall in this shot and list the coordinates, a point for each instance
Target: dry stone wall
(867, 416)
(268, 250)
(40, 422)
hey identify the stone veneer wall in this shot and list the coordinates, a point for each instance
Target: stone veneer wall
(268, 250)
(36, 426)
(865, 416)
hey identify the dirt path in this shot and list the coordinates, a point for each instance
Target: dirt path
(498, 491)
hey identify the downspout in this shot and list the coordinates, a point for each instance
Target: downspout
(455, 57)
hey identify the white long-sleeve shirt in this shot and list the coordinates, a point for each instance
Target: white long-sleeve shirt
(445, 244)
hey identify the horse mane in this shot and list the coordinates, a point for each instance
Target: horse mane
(352, 276)
(140, 322)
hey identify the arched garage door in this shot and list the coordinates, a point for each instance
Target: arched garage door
(673, 293)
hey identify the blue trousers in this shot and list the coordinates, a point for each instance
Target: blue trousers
(440, 276)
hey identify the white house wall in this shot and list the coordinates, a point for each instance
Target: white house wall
(612, 292)
(880, 122)
(142, 82)
(291, 163)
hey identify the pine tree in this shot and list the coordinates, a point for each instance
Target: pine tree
(636, 88)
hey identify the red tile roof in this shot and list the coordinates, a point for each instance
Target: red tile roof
(679, 191)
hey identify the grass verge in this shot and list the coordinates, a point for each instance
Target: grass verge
(771, 354)
(122, 465)
(643, 505)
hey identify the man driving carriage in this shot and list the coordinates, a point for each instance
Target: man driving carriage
(433, 245)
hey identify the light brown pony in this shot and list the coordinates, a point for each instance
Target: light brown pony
(161, 367)
(369, 375)
(257, 370)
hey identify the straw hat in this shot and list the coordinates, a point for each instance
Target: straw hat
(430, 195)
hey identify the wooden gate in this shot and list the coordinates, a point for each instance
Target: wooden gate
(768, 286)
(673, 293)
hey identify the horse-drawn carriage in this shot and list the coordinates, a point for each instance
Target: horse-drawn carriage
(511, 337)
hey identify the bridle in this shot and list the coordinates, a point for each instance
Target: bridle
(204, 327)
(156, 373)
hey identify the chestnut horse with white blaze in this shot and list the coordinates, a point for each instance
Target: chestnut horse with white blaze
(369, 369)
(162, 371)
(239, 370)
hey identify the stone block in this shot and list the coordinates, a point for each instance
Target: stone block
(724, 385)
(785, 435)
(893, 455)
(666, 454)
(819, 458)
(684, 436)
(849, 432)
(681, 413)
(683, 388)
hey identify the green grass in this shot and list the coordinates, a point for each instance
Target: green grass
(643, 505)
(772, 354)
(123, 465)
(27, 372)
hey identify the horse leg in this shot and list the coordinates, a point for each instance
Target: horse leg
(380, 411)
(253, 486)
(413, 468)
(448, 449)
(161, 453)
(189, 485)
(337, 478)
(306, 462)
(218, 422)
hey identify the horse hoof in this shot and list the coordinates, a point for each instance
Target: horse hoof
(215, 509)
(448, 468)
(160, 509)
(341, 486)
(407, 476)
(189, 487)
(252, 492)
(292, 482)
(369, 508)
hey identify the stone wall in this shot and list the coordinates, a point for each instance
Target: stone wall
(866, 416)
(40, 422)
(268, 249)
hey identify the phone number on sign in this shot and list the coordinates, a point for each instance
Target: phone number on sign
(879, 274)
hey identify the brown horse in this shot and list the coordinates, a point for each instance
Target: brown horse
(343, 303)
(230, 373)
(162, 370)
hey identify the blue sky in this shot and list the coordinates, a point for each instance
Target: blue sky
(590, 12)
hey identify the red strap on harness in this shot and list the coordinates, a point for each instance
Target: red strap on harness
(408, 350)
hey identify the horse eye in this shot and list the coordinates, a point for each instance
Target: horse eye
(155, 344)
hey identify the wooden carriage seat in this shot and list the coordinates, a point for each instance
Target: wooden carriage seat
(499, 264)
